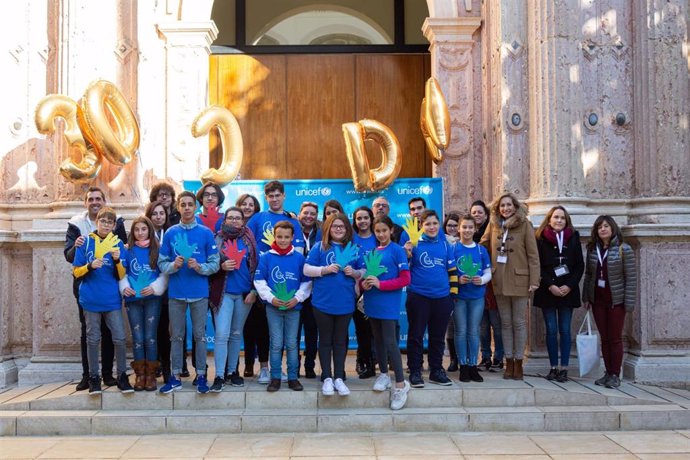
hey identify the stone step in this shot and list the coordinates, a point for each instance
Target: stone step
(481, 419)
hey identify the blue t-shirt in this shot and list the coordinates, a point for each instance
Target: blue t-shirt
(219, 223)
(265, 220)
(431, 259)
(386, 304)
(477, 255)
(186, 283)
(274, 268)
(140, 274)
(333, 293)
(239, 280)
(99, 291)
(366, 244)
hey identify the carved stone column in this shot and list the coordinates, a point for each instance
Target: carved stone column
(454, 63)
(187, 47)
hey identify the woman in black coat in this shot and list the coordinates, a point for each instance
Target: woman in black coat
(562, 266)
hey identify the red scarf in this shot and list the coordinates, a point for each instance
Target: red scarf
(282, 252)
(549, 234)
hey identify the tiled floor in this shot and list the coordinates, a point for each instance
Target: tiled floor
(605, 445)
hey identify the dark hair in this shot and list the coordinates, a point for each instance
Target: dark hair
(332, 204)
(161, 187)
(185, 193)
(94, 189)
(326, 229)
(383, 220)
(153, 241)
(219, 191)
(233, 208)
(451, 216)
(311, 204)
(547, 218)
(243, 197)
(483, 205)
(594, 239)
(148, 212)
(366, 209)
(284, 224)
(274, 185)
(426, 214)
(416, 198)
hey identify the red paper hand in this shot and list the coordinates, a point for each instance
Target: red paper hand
(230, 251)
(211, 218)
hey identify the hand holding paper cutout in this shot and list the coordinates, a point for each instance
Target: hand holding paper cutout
(142, 281)
(268, 238)
(230, 251)
(106, 245)
(281, 293)
(211, 218)
(413, 230)
(373, 264)
(182, 247)
(343, 256)
(467, 266)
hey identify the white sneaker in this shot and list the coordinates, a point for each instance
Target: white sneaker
(264, 377)
(283, 377)
(327, 387)
(399, 396)
(382, 383)
(341, 388)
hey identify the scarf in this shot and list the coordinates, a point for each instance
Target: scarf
(143, 243)
(549, 234)
(228, 232)
(282, 252)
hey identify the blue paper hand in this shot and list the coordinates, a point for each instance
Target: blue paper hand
(140, 282)
(181, 246)
(343, 256)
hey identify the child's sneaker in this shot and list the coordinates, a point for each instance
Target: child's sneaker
(341, 388)
(173, 384)
(202, 385)
(123, 384)
(399, 396)
(327, 388)
(94, 386)
(218, 385)
(264, 378)
(235, 380)
(382, 383)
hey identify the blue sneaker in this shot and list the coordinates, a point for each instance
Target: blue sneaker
(172, 385)
(202, 385)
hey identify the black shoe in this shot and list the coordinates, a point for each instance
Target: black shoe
(123, 384)
(497, 365)
(439, 377)
(368, 370)
(196, 379)
(185, 371)
(248, 371)
(94, 386)
(603, 380)
(474, 374)
(359, 366)
(218, 385)
(553, 374)
(613, 382)
(465, 373)
(486, 364)
(453, 366)
(235, 380)
(562, 375)
(274, 385)
(83, 384)
(295, 385)
(109, 381)
(309, 373)
(416, 380)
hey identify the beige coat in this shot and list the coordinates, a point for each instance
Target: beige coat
(522, 270)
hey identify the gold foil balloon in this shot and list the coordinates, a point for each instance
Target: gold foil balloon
(435, 119)
(57, 106)
(363, 177)
(107, 122)
(221, 118)
(436, 154)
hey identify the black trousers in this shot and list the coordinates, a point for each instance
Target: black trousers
(256, 338)
(426, 313)
(311, 333)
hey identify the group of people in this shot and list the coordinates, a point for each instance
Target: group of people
(266, 275)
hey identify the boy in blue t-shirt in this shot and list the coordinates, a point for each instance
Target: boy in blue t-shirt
(261, 224)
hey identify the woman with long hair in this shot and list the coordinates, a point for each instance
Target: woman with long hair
(363, 226)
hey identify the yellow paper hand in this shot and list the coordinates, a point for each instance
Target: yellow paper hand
(412, 228)
(106, 245)
(268, 238)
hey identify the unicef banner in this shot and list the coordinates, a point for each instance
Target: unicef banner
(322, 190)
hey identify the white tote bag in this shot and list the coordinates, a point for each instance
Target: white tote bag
(587, 346)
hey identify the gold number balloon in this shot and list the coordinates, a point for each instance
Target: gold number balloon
(107, 122)
(58, 106)
(221, 118)
(435, 119)
(364, 178)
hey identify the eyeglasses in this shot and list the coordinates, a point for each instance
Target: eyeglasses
(210, 195)
(338, 227)
(106, 222)
(234, 219)
(164, 195)
(381, 205)
(452, 225)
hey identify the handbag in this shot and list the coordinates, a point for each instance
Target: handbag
(587, 346)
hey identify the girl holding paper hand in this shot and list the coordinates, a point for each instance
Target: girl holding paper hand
(560, 258)
(362, 224)
(142, 288)
(232, 295)
(334, 265)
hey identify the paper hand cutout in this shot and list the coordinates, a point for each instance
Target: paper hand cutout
(373, 264)
(106, 245)
(211, 218)
(343, 256)
(230, 251)
(467, 267)
(142, 281)
(281, 293)
(412, 228)
(268, 238)
(181, 246)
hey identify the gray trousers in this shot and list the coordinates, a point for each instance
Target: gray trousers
(177, 309)
(113, 319)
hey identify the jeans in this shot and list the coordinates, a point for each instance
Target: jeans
(282, 328)
(423, 312)
(333, 338)
(385, 340)
(230, 319)
(144, 315)
(114, 322)
(107, 350)
(513, 312)
(311, 334)
(491, 320)
(177, 309)
(557, 321)
(467, 315)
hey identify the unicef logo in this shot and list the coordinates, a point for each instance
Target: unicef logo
(277, 276)
(325, 191)
(311, 192)
(417, 191)
(426, 261)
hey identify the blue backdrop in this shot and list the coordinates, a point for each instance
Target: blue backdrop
(322, 190)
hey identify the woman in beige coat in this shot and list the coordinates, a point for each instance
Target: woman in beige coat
(515, 266)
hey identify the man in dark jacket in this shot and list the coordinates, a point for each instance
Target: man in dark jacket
(78, 230)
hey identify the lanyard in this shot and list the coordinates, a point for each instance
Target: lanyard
(601, 260)
(307, 241)
(559, 240)
(505, 237)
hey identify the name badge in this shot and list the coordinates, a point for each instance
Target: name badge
(502, 259)
(561, 270)
(601, 283)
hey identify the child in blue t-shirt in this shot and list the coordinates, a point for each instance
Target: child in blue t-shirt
(432, 269)
(363, 226)
(143, 287)
(474, 271)
(281, 284)
(334, 265)
(100, 262)
(387, 274)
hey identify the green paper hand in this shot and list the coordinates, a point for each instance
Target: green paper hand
(467, 266)
(281, 293)
(373, 264)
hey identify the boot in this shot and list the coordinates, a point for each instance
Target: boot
(140, 374)
(508, 373)
(517, 370)
(151, 370)
(450, 343)
(368, 369)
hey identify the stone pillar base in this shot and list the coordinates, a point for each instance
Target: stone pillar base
(9, 371)
(40, 372)
(668, 371)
